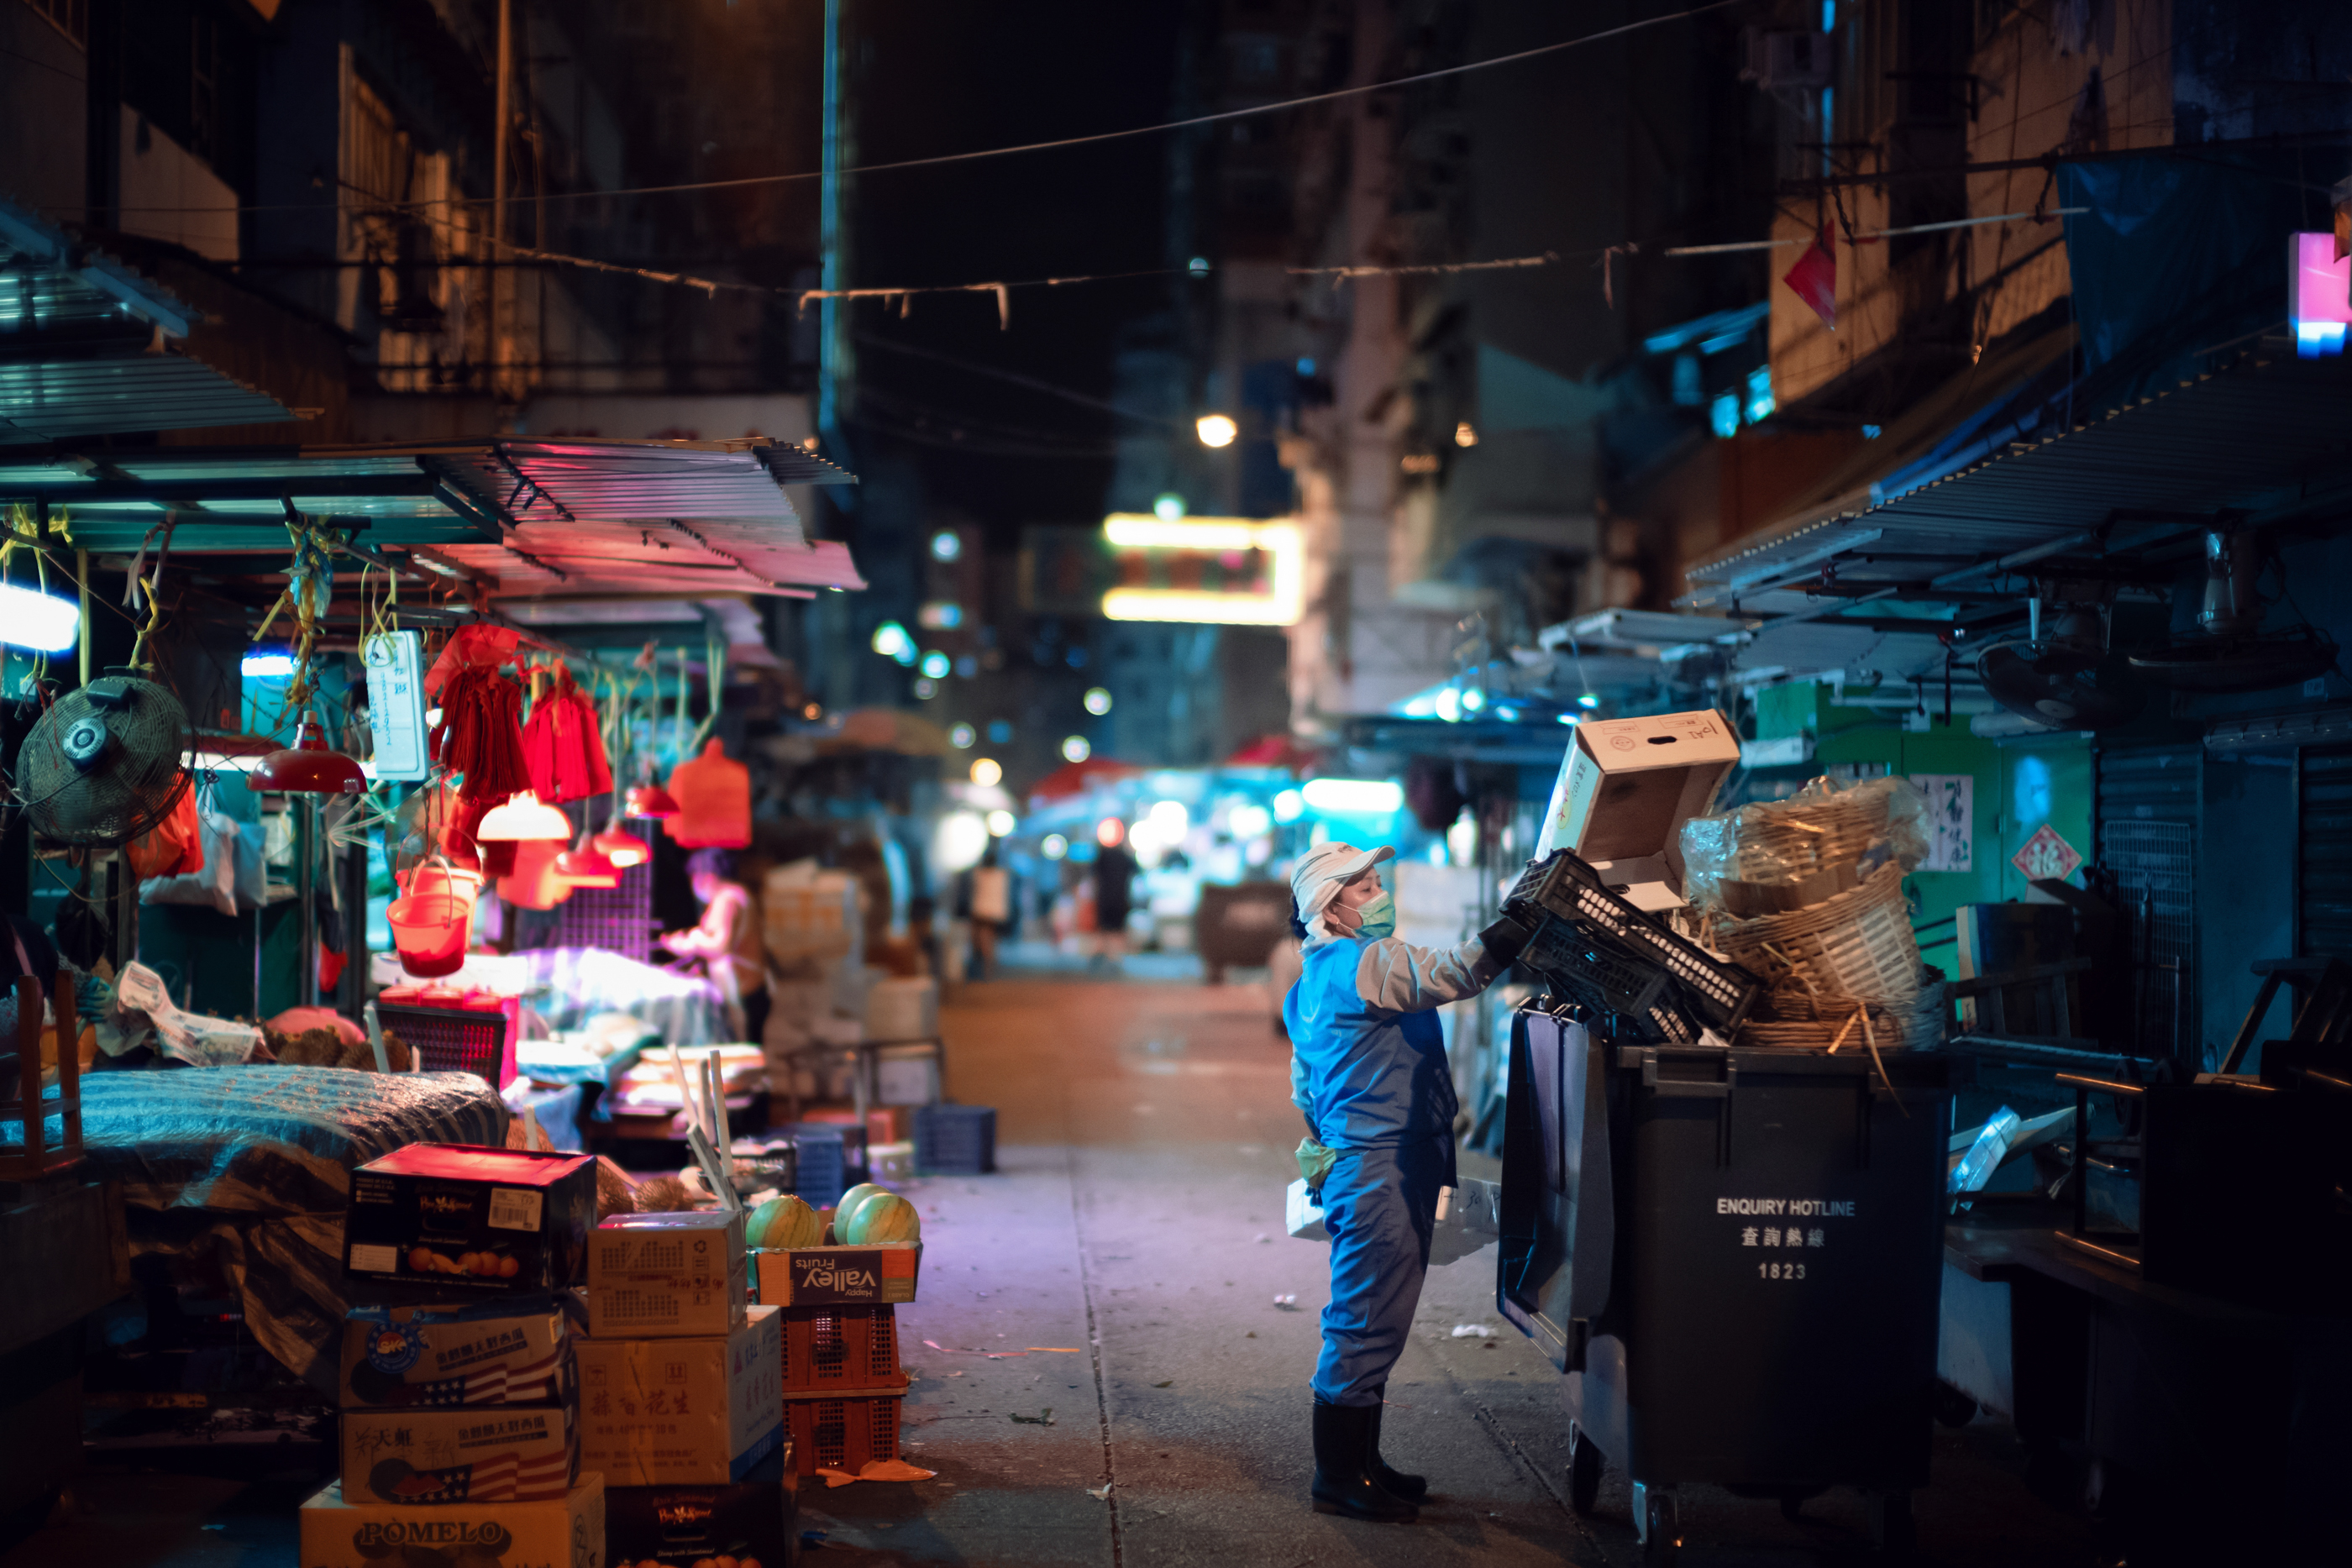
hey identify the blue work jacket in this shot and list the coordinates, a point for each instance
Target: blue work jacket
(1368, 1056)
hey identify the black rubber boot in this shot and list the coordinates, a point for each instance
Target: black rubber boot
(1395, 1483)
(1343, 1450)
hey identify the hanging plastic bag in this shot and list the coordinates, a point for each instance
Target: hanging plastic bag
(228, 877)
(173, 846)
(714, 801)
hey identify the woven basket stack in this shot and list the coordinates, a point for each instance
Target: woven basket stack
(1844, 972)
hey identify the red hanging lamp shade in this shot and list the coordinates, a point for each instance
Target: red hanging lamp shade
(652, 800)
(309, 767)
(623, 848)
(587, 866)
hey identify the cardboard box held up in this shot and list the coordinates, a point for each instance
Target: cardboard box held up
(1625, 788)
(666, 1275)
(565, 1531)
(496, 1353)
(464, 1220)
(754, 1522)
(683, 1411)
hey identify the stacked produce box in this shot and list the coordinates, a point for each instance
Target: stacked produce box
(681, 1396)
(836, 1277)
(458, 1378)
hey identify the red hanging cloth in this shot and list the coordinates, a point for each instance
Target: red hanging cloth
(480, 734)
(563, 744)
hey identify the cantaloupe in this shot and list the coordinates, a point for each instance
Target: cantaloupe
(784, 1221)
(848, 1202)
(883, 1217)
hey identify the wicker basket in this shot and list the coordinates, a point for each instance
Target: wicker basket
(1791, 839)
(1857, 946)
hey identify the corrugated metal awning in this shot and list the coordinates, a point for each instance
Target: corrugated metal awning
(2266, 439)
(85, 346)
(525, 517)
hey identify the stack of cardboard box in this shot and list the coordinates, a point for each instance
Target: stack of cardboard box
(458, 1382)
(681, 1396)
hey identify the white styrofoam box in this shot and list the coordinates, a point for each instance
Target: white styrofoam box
(898, 1008)
(909, 1076)
(1302, 1216)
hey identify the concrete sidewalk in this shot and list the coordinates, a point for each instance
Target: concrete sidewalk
(1114, 1289)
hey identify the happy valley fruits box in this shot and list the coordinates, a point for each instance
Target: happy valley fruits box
(464, 1219)
(499, 1351)
(564, 1532)
(474, 1453)
(876, 1274)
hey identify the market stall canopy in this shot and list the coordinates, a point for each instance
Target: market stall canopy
(691, 624)
(2260, 443)
(86, 346)
(522, 517)
(1076, 777)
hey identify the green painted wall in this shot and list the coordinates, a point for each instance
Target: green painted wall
(2019, 787)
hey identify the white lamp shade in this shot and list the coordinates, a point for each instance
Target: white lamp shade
(523, 817)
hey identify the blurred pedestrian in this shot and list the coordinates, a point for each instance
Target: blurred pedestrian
(990, 909)
(1114, 874)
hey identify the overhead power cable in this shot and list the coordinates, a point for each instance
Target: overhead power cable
(944, 159)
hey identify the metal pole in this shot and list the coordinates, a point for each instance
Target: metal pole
(504, 113)
(829, 350)
(306, 882)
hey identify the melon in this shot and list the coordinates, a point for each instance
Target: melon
(848, 1202)
(883, 1217)
(782, 1222)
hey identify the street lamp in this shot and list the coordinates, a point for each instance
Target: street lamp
(1216, 429)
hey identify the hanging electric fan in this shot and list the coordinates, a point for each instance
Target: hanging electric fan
(2065, 678)
(103, 765)
(2233, 653)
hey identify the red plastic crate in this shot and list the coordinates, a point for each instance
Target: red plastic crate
(455, 1031)
(844, 1433)
(841, 1347)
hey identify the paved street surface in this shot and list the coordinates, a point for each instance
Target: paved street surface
(1102, 1314)
(1144, 1133)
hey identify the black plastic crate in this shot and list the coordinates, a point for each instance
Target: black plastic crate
(955, 1140)
(1564, 888)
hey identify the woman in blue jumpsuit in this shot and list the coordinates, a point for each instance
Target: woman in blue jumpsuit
(1369, 1070)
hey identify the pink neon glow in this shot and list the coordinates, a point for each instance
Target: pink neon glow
(2319, 286)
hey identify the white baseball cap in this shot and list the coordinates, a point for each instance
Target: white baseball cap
(1324, 870)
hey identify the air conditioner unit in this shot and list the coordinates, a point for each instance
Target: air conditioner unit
(1778, 60)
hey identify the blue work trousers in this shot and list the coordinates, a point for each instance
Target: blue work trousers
(1380, 1206)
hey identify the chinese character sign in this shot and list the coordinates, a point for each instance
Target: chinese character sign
(1951, 820)
(2046, 856)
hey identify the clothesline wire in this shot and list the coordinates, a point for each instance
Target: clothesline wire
(1056, 145)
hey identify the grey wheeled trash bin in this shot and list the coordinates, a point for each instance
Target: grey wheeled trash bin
(1735, 1256)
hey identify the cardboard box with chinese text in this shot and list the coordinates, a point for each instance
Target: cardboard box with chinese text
(476, 1453)
(683, 1411)
(674, 1275)
(504, 1350)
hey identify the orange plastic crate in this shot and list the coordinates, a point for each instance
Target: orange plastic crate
(831, 1433)
(841, 1347)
